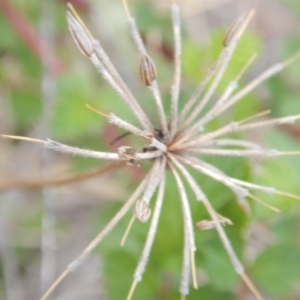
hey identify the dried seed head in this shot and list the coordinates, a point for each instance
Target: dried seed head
(171, 147)
(147, 70)
(142, 211)
(81, 38)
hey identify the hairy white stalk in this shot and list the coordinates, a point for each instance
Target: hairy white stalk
(49, 144)
(152, 231)
(136, 36)
(142, 209)
(153, 85)
(186, 264)
(198, 127)
(268, 123)
(185, 207)
(233, 85)
(213, 86)
(156, 174)
(215, 217)
(175, 89)
(76, 263)
(126, 93)
(112, 118)
(240, 194)
(107, 76)
(218, 175)
(273, 70)
(160, 109)
(244, 20)
(80, 152)
(234, 152)
(92, 48)
(237, 265)
(266, 189)
(199, 89)
(195, 187)
(242, 93)
(189, 237)
(232, 128)
(232, 142)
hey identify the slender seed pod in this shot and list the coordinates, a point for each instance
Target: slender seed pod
(80, 36)
(234, 28)
(147, 70)
(230, 33)
(142, 211)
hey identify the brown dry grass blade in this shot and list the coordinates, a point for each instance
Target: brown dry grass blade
(36, 184)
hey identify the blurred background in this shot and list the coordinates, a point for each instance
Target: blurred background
(52, 205)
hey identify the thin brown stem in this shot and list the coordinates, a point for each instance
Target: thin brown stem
(57, 181)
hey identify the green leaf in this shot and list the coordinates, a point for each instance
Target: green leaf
(277, 270)
(72, 119)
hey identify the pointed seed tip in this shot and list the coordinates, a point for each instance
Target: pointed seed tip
(23, 138)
